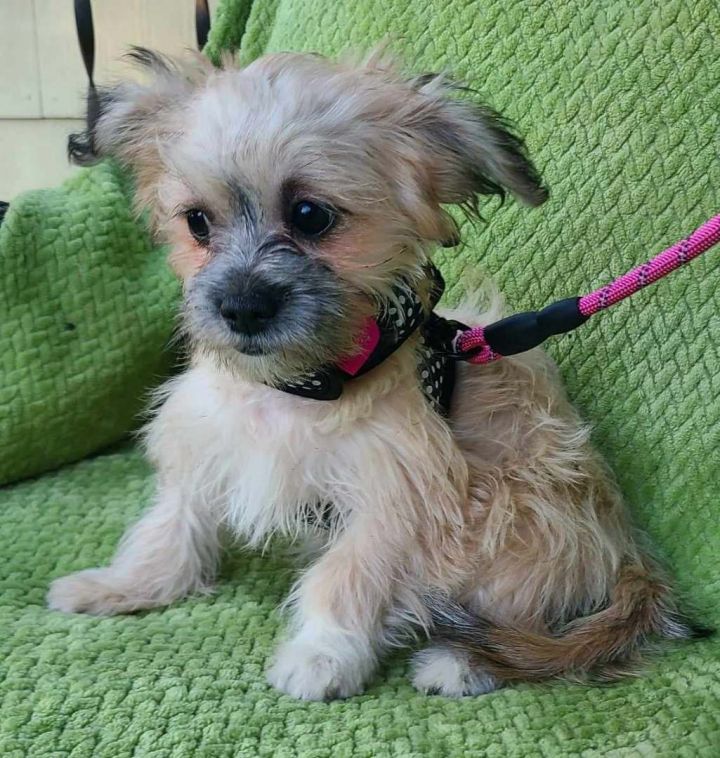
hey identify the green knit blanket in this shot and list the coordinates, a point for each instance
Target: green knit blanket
(86, 310)
(620, 104)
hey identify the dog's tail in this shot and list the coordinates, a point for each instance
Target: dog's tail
(604, 646)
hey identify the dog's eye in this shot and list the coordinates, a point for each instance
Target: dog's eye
(312, 219)
(198, 224)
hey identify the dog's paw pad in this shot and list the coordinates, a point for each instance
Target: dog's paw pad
(443, 671)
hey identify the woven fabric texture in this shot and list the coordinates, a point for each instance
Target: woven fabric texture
(188, 681)
(86, 309)
(620, 103)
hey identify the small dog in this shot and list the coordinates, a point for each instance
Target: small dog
(302, 197)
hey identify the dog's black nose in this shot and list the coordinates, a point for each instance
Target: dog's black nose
(250, 312)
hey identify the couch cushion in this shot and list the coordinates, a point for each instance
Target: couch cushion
(187, 681)
(87, 306)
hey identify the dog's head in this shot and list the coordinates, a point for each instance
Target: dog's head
(297, 191)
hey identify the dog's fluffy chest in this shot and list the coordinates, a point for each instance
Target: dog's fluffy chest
(266, 459)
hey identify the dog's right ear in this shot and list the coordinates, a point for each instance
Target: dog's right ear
(129, 121)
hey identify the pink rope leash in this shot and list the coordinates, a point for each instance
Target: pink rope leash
(702, 239)
(523, 331)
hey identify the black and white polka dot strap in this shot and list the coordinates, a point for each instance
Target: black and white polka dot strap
(399, 318)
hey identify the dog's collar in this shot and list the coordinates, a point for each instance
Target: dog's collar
(396, 320)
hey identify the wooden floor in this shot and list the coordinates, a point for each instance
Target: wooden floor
(43, 82)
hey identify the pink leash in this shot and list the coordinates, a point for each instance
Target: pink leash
(523, 331)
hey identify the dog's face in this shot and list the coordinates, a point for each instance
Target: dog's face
(296, 192)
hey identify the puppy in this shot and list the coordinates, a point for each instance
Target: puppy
(302, 199)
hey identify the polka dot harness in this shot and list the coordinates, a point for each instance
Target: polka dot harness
(398, 319)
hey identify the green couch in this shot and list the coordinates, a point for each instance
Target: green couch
(620, 104)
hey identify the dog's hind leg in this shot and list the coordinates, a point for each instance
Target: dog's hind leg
(446, 670)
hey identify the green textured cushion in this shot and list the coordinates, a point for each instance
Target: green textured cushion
(188, 681)
(620, 102)
(86, 310)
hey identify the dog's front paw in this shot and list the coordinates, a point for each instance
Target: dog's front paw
(309, 672)
(97, 591)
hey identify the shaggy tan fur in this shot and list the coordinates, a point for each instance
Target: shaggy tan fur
(502, 517)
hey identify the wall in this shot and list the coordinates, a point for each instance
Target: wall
(43, 82)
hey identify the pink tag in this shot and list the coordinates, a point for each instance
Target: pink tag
(367, 342)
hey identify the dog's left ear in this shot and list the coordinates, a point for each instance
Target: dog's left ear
(472, 150)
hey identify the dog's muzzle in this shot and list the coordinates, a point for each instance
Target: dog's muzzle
(249, 309)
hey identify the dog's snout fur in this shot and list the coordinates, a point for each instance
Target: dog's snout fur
(255, 282)
(250, 308)
(270, 300)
